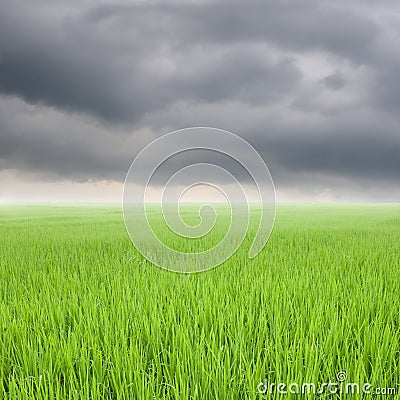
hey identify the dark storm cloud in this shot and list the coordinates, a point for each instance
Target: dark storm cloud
(297, 25)
(117, 63)
(61, 148)
(359, 155)
(121, 61)
(83, 85)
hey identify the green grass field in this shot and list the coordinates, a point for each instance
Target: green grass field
(84, 316)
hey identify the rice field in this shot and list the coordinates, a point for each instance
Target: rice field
(84, 316)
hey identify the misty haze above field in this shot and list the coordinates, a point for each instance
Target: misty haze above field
(313, 86)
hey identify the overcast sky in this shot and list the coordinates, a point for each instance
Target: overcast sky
(312, 85)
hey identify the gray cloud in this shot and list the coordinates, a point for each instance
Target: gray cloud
(335, 81)
(116, 63)
(83, 86)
